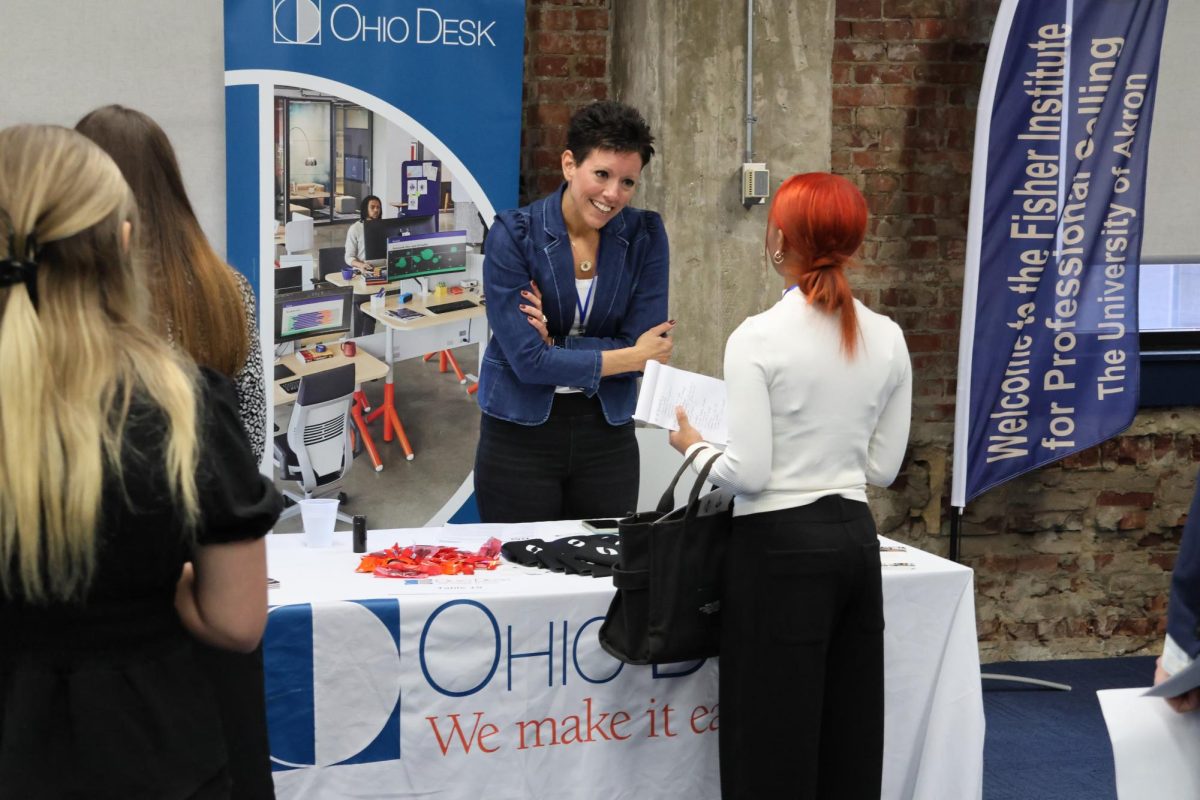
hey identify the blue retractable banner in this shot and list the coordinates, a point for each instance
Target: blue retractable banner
(1048, 357)
(446, 74)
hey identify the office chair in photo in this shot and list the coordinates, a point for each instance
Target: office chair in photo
(316, 451)
(330, 260)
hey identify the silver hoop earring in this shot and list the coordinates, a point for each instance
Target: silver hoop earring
(777, 257)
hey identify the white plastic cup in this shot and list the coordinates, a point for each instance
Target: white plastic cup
(319, 517)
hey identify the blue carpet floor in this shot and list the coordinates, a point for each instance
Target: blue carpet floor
(1050, 745)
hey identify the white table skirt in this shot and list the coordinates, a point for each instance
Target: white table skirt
(495, 686)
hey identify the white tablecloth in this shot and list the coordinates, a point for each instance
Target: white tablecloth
(494, 685)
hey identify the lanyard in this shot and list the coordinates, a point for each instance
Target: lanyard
(788, 289)
(586, 305)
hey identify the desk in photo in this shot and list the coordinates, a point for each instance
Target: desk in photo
(366, 368)
(312, 201)
(357, 283)
(316, 195)
(431, 333)
(495, 685)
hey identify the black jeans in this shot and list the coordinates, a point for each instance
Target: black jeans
(573, 466)
(801, 671)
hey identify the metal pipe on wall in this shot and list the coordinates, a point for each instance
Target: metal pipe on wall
(750, 118)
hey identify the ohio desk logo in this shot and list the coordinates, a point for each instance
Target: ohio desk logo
(333, 683)
(297, 21)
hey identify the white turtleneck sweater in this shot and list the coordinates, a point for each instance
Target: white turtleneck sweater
(803, 420)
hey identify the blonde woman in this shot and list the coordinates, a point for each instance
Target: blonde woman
(118, 462)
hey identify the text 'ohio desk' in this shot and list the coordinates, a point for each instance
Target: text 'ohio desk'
(495, 686)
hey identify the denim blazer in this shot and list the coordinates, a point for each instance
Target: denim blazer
(519, 371)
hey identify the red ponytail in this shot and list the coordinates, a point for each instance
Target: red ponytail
(823, 218)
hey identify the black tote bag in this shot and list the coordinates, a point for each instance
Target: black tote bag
(668, 578)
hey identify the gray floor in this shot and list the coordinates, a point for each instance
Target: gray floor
(331, 235)
(442, 422)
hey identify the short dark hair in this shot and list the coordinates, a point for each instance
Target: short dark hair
(366, 201)
(609, 125)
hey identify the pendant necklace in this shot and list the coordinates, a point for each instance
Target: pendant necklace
(584, 266)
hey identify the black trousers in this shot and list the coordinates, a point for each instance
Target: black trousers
(801, 672)
(573, 466)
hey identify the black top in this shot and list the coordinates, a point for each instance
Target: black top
(101, 697)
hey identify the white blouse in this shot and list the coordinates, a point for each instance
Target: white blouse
(803, 421)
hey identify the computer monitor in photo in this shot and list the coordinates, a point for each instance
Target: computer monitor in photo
(377, 232)
(319, 312)
(430, 254)
(289, 279)
(355, 168)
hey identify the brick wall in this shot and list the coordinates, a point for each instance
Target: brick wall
(1072, 559)
(566, 65)
(905, 83)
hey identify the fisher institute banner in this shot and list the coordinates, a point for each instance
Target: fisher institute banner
(1048, 359)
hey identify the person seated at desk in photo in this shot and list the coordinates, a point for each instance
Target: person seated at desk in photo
(356, 242)
(207, 309)
(1182, 644)
(123, 467)
(819, 398)
(201, 304)
(577, 304)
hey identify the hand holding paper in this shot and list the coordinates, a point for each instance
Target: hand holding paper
(686, 435)
(1180, 689)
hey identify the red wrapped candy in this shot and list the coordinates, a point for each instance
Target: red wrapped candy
(423, 560)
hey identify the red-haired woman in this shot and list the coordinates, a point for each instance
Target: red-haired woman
(819, 396)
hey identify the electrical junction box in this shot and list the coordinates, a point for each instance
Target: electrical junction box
(756, 182)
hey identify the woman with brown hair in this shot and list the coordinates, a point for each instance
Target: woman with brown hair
(206, 309)
(119, 462)
(201, 304)
(819, 395)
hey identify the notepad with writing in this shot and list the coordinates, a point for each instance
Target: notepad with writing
(702, 397)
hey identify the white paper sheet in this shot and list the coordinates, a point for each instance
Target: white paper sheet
(1154, 748)
(702, 397)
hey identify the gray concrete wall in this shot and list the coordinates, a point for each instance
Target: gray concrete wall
(682, 62)
(62, 59)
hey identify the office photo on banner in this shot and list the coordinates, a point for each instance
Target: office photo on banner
(369, 143)
(1048, 358)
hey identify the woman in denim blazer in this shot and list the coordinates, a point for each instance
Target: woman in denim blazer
(576, 284)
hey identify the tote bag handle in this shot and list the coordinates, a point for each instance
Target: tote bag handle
(667, 504)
